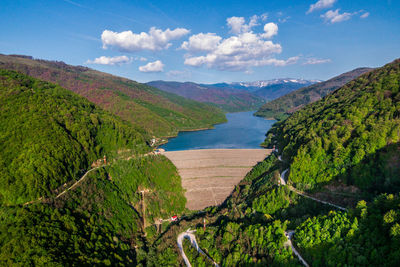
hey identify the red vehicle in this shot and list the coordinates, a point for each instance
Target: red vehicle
(174, 218)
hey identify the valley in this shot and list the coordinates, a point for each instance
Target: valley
(213, 186)
(200, 133)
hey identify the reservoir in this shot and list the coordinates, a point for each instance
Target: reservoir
(243, 130)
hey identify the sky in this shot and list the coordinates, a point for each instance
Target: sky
(205, 41)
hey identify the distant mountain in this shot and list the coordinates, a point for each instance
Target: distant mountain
(288, 103)
(224, 97)
(236, 96)
(254, 86)
(156, 112)
(267, 89)
(275, 90)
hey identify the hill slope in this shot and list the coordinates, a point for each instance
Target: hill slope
(228, 99)
(287, 104)
(158, 113)
(50, 136)
(340, 149)
(326, 139)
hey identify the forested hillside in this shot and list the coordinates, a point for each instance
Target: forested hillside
(285, 105)
(50, 136)
(339, 150)
(328, 139)
(157, 112)
(98, 223)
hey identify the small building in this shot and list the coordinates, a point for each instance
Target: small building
(174, 218)
(159, 151)
(152, 142)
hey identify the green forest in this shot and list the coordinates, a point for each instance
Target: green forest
(156, 112)
(342, 147)
(98, 223)
(335, 138)
(50, 136)
(322, 146)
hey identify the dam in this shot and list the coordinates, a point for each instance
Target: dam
(210, 175)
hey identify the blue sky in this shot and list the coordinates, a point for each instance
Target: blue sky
(205, 41)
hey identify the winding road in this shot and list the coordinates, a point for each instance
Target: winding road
(192, 238)
(282, 177)
(289, 234)
(283, 182)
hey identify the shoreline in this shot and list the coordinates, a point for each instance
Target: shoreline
(187, 130)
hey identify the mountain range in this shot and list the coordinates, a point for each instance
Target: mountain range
(286, 104)
(236, 96)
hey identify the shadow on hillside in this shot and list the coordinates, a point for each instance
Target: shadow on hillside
(376, 173)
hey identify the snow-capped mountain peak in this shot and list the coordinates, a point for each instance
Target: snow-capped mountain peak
(264, 83)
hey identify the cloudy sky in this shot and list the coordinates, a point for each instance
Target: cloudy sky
(205, 41)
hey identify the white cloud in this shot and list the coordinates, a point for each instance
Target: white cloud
(270, 29)
(241, 52)
(321, 4)
(155, 39)
(238, 25)
(314, 61)
(365, 15)
(103, 60)
(156, 66)
(202, 42)
(334, 16)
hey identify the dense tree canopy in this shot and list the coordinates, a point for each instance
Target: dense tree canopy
(49, 136)
(327, 139)
(157, 112)
(349, 139)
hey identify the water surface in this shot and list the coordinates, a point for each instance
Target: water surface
(243, 130)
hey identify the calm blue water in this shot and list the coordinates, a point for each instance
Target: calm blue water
(243, 130)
